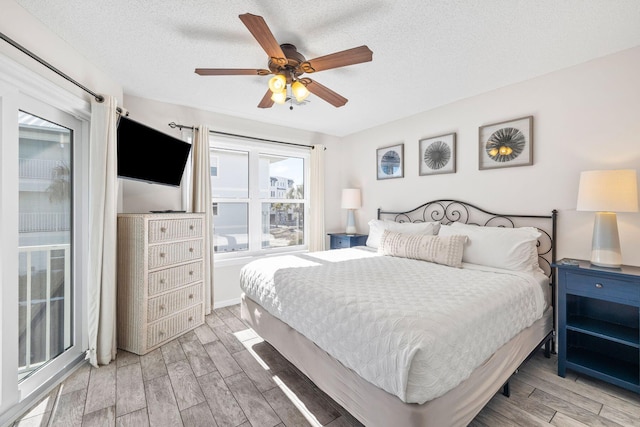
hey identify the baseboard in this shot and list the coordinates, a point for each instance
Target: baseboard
(226, 303)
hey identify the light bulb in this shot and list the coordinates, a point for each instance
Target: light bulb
(278, 83)
(279, 97)
(493, 152)
(505, 151)
(300, 91)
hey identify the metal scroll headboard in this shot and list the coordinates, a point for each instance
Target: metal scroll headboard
(448, 211)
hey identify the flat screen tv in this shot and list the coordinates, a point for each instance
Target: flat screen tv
(145, 154)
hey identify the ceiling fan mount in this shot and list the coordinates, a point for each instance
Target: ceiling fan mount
(293, 57)
(285, 60)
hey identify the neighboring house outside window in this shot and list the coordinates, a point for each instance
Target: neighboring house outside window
(259, 198)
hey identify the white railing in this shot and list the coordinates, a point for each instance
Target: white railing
(33, 222)
(38, 168)
(29, 303)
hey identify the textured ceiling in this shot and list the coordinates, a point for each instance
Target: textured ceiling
(426, 53)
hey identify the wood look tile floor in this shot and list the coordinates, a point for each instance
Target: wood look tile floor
(223, 374)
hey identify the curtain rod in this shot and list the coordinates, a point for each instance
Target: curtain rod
(174, 125)
(32, 55)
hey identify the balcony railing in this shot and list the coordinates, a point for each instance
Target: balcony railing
(44, 304)
(38, 168)
(34, 222)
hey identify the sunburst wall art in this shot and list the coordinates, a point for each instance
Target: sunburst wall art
(506, 144)
(438, 154)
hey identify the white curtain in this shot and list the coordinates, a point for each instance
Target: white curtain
(103, 194)
(316, 227)
(201, 202)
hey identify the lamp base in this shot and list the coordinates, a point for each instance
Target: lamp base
(605, 246)
(351, 222)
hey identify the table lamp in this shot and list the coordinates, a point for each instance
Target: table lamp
(351, 200)
(607, 192)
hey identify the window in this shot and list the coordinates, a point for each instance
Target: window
(260, 201)
(214, 165)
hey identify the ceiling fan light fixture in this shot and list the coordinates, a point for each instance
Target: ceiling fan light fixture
(279, 97)
(299, 90)
(278, 83)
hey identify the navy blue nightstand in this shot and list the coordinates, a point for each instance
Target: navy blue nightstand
(599, 322)
(342, 240)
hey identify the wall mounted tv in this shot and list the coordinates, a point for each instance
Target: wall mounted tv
(145, 154)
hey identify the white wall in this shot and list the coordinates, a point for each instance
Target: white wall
(24, 29)
(142, 197)
(585, 117)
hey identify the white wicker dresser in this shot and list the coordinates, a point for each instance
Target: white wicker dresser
(160, 278)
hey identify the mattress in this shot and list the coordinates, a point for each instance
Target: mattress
(412, 328)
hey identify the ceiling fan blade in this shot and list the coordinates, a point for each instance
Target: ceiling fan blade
(231, 72)
(266, 101)
(258, 27)
(352, 56)
(325, 93)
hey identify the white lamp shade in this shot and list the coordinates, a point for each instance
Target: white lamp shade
(608, 191)
(351, 198)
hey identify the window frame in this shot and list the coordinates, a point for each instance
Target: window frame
(255, 149)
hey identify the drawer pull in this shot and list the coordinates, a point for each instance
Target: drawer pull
(162, 281)
(190, 318)
(599, 285)
(162, 254)
(190, 249)
(191, 273)
(163, 229)
(162, 307)
(161, 333)
(191, 227)
(190, 296)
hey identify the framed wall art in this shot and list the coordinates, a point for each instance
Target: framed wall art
(506, 144)
(438, 154)
(390, 162)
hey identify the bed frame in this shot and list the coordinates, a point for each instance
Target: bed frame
(375, 407)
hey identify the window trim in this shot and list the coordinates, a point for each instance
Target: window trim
(255, 149)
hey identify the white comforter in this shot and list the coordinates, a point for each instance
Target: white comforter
(412, 328)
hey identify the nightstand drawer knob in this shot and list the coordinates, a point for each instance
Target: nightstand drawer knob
(599, 285)
(163, 229)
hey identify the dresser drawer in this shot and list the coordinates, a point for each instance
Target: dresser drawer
(168, 328)
(174, 277)
(175, 301)
(602, 287)
(174, 253)
(174, 229)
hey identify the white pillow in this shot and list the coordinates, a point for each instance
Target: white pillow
(509, 248)
(446, 250)
(377, 227)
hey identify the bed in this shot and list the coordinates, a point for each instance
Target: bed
(397, 340)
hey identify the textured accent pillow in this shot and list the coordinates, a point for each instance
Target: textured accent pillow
(513, 249)
(439, 249)
(377, 227)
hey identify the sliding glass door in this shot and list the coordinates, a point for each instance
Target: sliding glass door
(45, 275)
(43, 236)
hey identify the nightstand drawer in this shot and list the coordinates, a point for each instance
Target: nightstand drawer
(602, 287)
(340, 242)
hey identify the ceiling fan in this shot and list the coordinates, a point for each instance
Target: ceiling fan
(288, 65)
